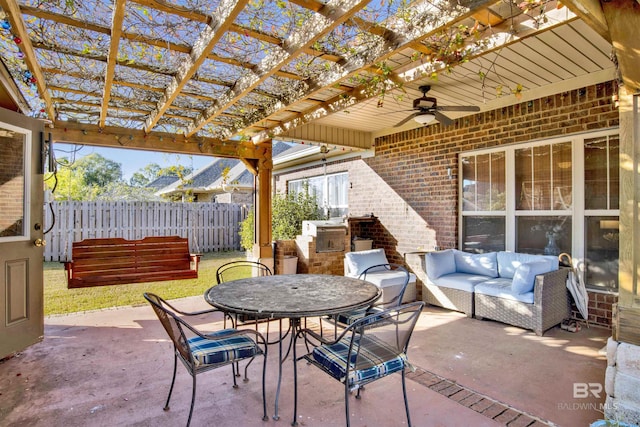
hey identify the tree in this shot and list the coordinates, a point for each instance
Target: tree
(122, 191)
(152, 171)
(98, 170)
(145, 175)
(84, 179)
(68, 185)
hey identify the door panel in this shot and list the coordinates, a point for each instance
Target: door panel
(21, 215)
(17, 291)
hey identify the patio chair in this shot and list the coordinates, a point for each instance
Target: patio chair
(201, 352)
(374, 346)
(380, 275)
(241, 270)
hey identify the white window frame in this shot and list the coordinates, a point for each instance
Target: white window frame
(324, 203)
(577, 211)
(26, 190)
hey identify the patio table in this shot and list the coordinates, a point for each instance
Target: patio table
(293, 297)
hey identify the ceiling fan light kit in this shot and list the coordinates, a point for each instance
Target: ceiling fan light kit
(424, 119)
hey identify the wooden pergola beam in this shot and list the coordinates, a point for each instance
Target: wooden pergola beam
(112, 57)
(278, 57)
(227, 12)
(117, 137)
(12, 10)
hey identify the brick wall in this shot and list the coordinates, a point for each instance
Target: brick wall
(407, 187)
(11, 187)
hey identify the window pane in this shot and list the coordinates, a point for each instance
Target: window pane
(602, 235)
(338, 189)
(12, 184)
(562, 176)
(614, 172)
(338, 194)
(524, 178)
(498, 182)
(469, 184)
(483, 234)
(544, 177)
(484, 182)
(596, 171)
(549, 235)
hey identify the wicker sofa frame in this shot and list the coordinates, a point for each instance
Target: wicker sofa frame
(453, 299)
(551, 304)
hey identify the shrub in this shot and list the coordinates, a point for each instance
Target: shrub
(288, 211)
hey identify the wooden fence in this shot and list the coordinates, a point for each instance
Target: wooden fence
(210, 227)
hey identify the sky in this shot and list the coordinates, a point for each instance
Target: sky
(130, 160)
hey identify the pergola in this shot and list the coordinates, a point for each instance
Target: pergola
(223, 78)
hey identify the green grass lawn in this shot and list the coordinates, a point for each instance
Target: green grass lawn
(60, 300)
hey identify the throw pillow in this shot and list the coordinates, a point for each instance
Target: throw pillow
(361, 260)
(440, 263)
(525, 276)
(480, 264)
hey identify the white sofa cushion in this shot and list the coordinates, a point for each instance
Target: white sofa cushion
(382, 279)
(509, 261)
(525, 275)
(501, 287)
(359, 261)
(461, 281)
(440, 263)
(480, 264)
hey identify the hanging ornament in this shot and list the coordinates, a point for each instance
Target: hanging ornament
(17, 40)
(5, 24)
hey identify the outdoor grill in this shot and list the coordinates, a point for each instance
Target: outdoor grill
(329, 235)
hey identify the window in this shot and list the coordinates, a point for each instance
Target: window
(483, 200)
(331, 191)
(546, 197)
(601, 200)
(14, 183)
(543, 184)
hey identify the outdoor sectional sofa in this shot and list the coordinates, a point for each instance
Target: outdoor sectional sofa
(528, 291)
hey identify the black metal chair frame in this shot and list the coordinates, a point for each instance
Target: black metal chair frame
(176, 328)
(376, 306)
(406, 314)
(397, 300)
(261, 269)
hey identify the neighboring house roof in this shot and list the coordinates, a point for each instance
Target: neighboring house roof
(162, 181)
(209, 179)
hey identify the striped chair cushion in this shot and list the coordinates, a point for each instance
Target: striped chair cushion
(349, 317)
(376, 360)
(210, 352)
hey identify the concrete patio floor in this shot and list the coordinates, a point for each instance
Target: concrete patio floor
(113, 368)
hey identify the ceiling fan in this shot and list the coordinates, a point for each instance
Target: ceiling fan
(427, 110)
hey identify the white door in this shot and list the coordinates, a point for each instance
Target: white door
(21, 232)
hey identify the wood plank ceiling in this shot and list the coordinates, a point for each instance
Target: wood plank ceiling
(202, 76)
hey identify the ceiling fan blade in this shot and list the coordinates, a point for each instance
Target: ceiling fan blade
(405, 120)
(459, 108)
(444, 120)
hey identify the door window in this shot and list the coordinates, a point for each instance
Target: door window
(14, 197)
